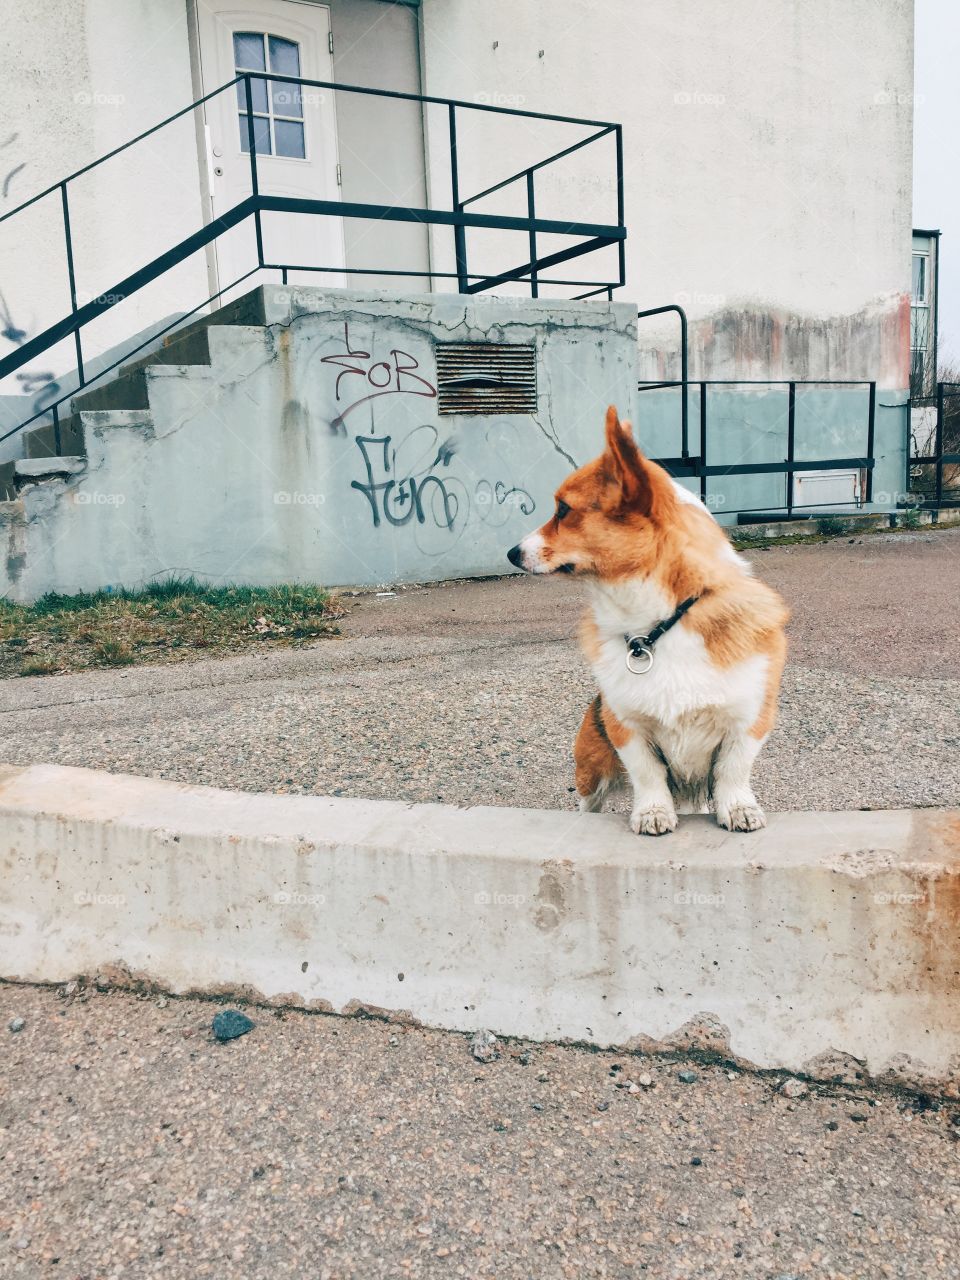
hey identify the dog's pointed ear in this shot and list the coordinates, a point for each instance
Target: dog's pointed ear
(625, 464)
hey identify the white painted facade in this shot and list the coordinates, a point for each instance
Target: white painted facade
(767, 155)
(76, 81)
(768, 152)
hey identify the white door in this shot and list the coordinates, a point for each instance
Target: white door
(294, 134)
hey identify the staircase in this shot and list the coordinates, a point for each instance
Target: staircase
(82, 496)
(297, 434)
(122, 401)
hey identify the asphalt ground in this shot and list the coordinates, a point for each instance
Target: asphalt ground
(133, 1144)
(472, 692)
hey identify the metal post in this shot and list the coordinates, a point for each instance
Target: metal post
(939, 444)
(684, 375)
(791, 442)
(58, 447)
(621, 246)
(684, 370)
(71, 277)
(871, 433)
(703, 441)
(531, 214)
(459, 235)
(254, 183)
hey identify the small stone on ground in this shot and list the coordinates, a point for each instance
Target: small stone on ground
(229, 1024)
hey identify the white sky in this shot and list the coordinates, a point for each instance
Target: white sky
(936, 165)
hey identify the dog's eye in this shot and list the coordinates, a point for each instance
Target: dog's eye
(562, 509)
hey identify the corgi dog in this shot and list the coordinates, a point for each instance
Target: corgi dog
(687, 646)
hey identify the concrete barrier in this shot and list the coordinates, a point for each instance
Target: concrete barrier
(828, 944)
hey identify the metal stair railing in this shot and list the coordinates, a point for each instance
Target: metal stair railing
(592, 236)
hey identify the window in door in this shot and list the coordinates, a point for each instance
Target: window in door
(277, 106)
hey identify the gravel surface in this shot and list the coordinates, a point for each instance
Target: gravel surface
(134, 1144)
(472, 692)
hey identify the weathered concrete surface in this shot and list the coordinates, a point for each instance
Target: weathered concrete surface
(832, 525)
(304, 443)
(295, 436)
(325, 1148)
(827, 944)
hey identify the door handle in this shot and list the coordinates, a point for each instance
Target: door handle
(213, 171)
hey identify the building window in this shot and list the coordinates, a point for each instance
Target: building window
(277, 107)
(920, 261)
(920, 326)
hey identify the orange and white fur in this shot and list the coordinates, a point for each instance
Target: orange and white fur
(688, 731)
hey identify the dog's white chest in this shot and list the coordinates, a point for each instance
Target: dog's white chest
(685, 701)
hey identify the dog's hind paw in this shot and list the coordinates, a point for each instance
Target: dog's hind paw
(741, 817)
(654, 820)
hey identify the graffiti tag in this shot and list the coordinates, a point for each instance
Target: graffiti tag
(413, 481)
(399, 499)
(394, 376)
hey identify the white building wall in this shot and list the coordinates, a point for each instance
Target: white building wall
(767, 149)
(767, 155)
(77, 80)
(81, 77)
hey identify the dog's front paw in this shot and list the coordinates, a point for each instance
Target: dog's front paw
(741, 817)
(653, 820)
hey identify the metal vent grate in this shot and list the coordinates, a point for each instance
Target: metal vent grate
(486, 377)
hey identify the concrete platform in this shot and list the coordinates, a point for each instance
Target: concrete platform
(842, 524)
(828, 944)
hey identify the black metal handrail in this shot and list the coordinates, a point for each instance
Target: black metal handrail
(684, 369)
(696, 466)
(598, 235)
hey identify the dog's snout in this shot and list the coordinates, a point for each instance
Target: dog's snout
(515, 556)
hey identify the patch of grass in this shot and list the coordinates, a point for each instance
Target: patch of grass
(38, 667)
(169, 620)
(909, 518)
(833, 526)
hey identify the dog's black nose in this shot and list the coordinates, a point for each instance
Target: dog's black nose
(515, 556)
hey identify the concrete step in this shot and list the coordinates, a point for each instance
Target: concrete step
(99, 419)
(36, 470)
(126, 392)
(41, 441)
(185, 346)
(179, 348)
(248, 310)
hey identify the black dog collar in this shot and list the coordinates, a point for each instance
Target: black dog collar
(640, 648)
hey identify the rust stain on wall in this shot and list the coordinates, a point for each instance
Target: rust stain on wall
(754, 341)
